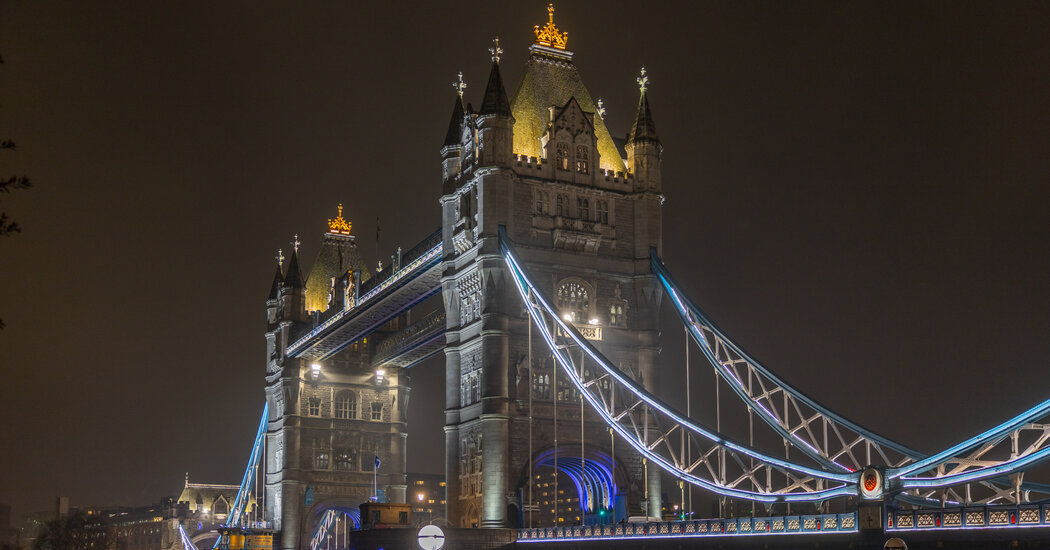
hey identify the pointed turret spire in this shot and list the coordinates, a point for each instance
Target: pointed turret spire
(275, 288)
(293, 278)
(644, 129)
(495, 101)
(455, 126)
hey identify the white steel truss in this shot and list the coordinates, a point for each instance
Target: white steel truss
(984, 469)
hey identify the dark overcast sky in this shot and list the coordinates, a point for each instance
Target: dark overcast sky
(857, 192)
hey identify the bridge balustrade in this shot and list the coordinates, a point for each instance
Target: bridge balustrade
(819, 523)
(992, 517)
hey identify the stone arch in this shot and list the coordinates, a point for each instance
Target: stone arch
(600, 482)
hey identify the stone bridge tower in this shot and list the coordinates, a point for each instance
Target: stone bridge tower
(583, 210)
(332, 415)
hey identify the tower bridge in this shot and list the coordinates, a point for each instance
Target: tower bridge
(549, 267)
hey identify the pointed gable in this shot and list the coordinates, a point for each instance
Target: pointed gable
(573, 119)
(552, 81)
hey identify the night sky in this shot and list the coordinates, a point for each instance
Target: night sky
(857, 193)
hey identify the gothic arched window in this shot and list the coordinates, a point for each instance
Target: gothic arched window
(574, 302)
(563, 205)
(583, 208)
(582, 165)
(346, 405)
(345, 459)
(601, 211)
(562, 154)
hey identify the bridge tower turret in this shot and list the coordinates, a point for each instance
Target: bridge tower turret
(543, 166)
(334, 413)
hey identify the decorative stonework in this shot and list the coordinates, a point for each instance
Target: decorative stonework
(469, 289)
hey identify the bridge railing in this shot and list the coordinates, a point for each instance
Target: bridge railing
(986, 517)
(420, 255)
(775, 525)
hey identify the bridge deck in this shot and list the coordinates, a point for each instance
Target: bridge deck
(381, 300)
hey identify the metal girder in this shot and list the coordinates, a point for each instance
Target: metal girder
(661, 434)
(413, 283)
(843, 445)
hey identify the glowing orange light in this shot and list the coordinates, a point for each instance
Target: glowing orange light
(549, 35)
(871, 481)
(339, 225)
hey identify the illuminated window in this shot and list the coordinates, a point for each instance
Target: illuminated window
(562, 156)
(574, 301)
(541, 387)
(344, 459)
(616, 313)
(321, 459)
(583, 208)
(377, 410)
(345, 405)
(314, 408)
(601, 211)
(582, 166)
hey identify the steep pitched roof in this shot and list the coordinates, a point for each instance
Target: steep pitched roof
(495, 101)
(644, 129)
(548, 81)
(455, 126)
(275, 288)
(337, 255)
(293, 278)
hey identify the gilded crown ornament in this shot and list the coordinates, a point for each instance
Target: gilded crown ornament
(460, 85)
(549, 35)
(340, 226)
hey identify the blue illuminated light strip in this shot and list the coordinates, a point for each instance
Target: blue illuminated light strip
(241, 501)
(186, 542)
(1004, 468)
(522, 281)
(686, 307)
(997, 432)
(400, 274)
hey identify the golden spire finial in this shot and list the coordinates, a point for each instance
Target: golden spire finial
(339, 226)
(643, 81)
(459, 87)
(495, 50)
(549, 35)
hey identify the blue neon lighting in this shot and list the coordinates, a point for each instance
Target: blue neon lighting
(689, 312)
(522, 283)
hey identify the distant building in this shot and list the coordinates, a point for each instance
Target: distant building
(211, 500)
(426, 494)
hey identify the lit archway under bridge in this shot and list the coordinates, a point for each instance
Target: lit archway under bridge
(598, 481)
